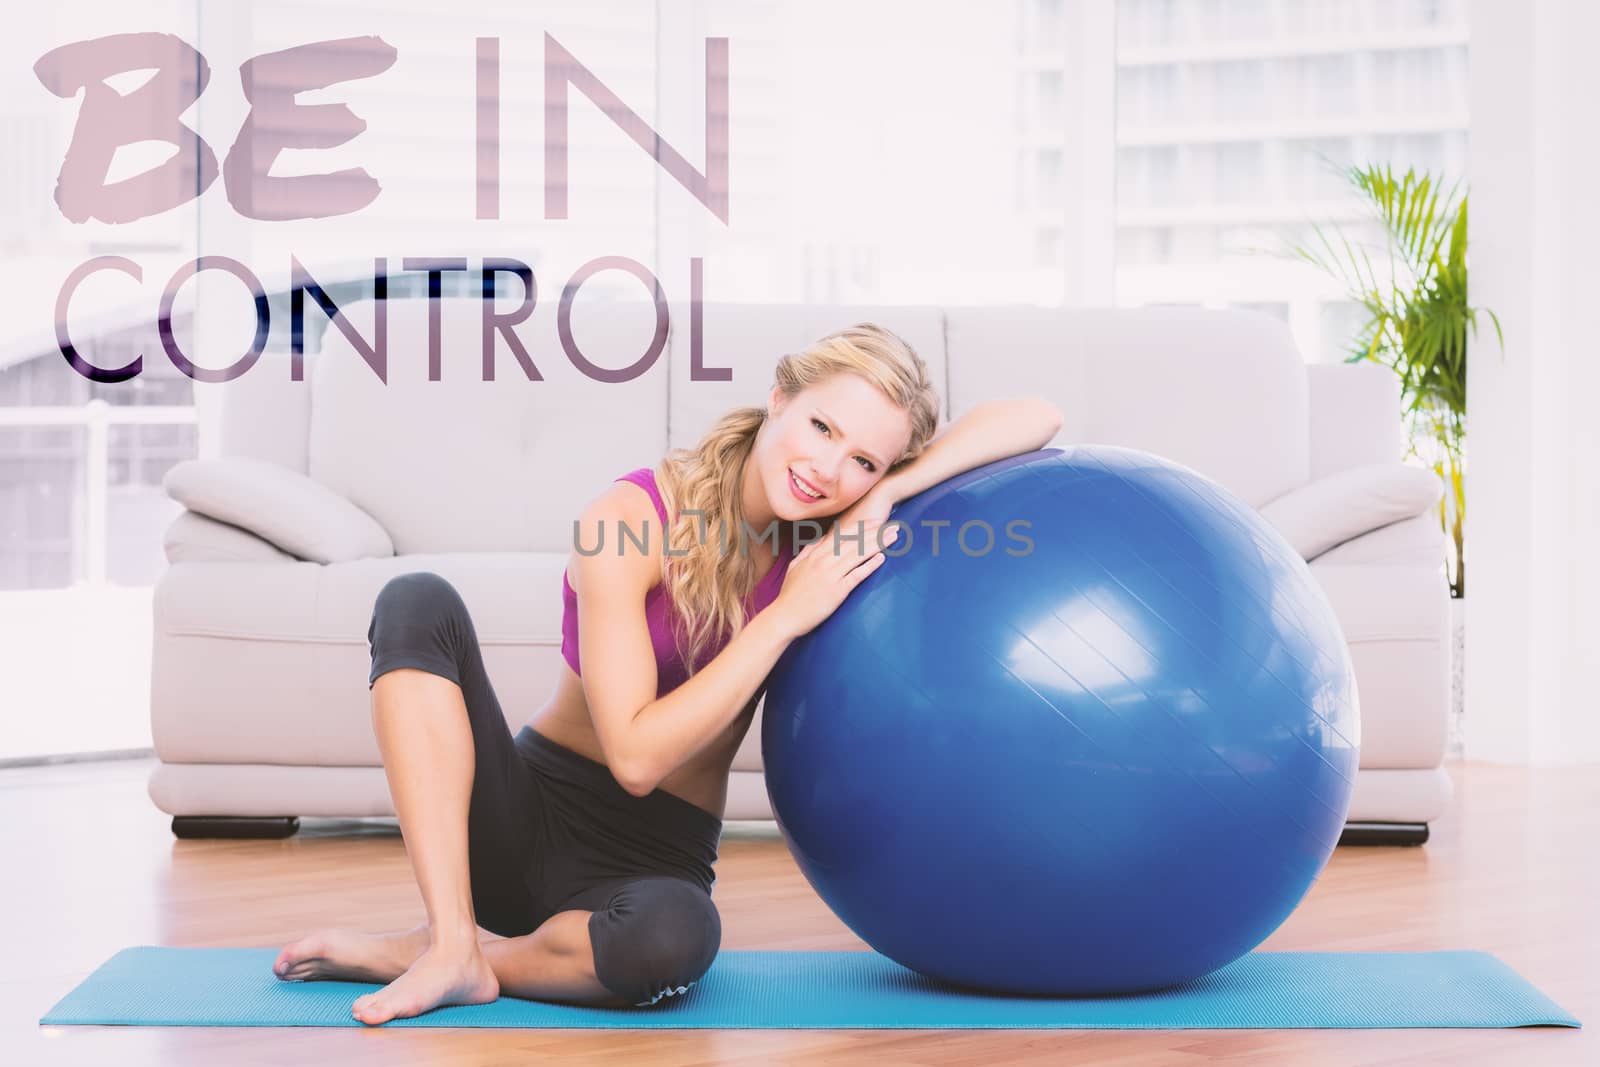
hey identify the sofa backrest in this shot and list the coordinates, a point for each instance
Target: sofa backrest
(1355, 416)
(1223, 392)
(749, 339)
(460, 464)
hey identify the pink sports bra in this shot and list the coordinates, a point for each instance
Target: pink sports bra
(671, 669)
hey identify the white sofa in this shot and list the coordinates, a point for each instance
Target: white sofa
(326, 488)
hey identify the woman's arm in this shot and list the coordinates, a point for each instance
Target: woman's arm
(666, 733)
(645, 738)
(992, 430)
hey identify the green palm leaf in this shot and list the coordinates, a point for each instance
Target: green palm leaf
(1418, 316)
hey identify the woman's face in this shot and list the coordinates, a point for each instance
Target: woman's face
(837, 438)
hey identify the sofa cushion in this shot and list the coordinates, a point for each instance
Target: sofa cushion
(191, 537)
(513, 596)
(1223, 392)
(749, 339)
(265, 663)
(464, 465)
(292, 511)
(1354, 416)
(265, 414)
(1342, 506)
(1419, 539)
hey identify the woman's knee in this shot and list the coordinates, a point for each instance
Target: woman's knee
(419, 597)
(416, 593)
(654, 939)
(418, 616)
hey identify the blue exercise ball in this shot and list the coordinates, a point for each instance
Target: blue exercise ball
(1091, 729)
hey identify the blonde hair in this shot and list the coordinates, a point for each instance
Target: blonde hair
(708, 575)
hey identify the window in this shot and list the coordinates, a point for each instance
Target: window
(1234, 124)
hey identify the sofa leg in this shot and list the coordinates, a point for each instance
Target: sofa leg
(189, 826)
(1384, 833)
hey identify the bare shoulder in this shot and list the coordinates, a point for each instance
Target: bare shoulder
(599, 532)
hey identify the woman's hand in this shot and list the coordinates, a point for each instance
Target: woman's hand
(822, 574)
(874, 506)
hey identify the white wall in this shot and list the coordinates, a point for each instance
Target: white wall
(1533, 524)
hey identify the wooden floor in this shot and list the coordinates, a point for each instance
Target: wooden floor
(90, 867)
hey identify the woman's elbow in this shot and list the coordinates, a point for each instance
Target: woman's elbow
(634, 776)
(1047, 421)
(638, 787)
(1051, 415)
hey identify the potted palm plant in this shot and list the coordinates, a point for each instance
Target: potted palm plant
(1417, 318)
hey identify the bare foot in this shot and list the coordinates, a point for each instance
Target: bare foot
(439, 977)
(351, 956)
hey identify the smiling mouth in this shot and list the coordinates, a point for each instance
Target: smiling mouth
(804, 488)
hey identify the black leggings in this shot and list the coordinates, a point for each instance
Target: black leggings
(549, 830)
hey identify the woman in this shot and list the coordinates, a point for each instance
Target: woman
(584, 845)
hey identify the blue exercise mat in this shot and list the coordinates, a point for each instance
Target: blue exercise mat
(148, 986)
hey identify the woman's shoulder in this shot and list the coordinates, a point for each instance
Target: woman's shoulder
(646, 489)
(634, 494)
(625, 504)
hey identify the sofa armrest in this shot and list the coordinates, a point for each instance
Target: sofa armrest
(193, 538)
(1419, 539)
(283, 507)
(1350, 503)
